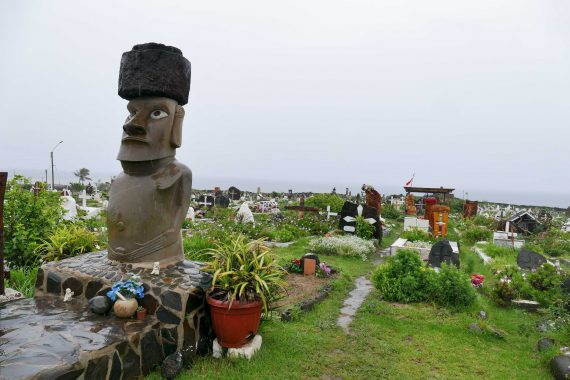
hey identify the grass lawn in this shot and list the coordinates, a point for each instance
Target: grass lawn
(415, 341)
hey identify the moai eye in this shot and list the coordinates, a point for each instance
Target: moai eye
(158, 114)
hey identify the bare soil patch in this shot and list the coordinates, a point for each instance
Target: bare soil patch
(300, 288)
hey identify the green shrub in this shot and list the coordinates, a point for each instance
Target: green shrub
(23, 280)
(545, 277)
(196, 247)
(391, 212)
(28, 219)
(542, 286)
(364, 229)
(68, 240)
(323, 200)
(476, 233)
(405, 278)
(415, 234)
(453, 288)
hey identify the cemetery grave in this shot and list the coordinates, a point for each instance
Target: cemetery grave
(117, 296)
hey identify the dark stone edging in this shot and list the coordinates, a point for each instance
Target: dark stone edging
(307, 305)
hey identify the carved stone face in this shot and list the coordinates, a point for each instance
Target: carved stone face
(152, 129)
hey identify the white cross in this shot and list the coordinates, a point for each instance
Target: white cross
(84, 197)
(205, 202)
(329, 213)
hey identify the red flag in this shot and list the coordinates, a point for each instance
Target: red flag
(410, 181)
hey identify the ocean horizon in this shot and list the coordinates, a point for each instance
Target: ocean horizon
(267, 185)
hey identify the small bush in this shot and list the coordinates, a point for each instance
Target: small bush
(323, 200)
(391, 212)
(68, 240)
(345, 245)
(364, 229)
(405, 278)
(545, 278)
(196, 247)
(28, 219)
(477, 233)
(415, 234)
(23, 280)
(453, 288)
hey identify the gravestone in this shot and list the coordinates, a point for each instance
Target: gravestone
(234, 193)
(442, 252)
(309, 256)
(348, 215)
(244, 214)
(530, 260)
(206, 200)
(350, 211)
(222, 201)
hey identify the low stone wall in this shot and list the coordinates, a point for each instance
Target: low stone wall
(175, 301)
(45, 338)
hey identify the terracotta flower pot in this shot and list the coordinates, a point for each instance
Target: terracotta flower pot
(235, 326)
(141, 314)
(125, 308)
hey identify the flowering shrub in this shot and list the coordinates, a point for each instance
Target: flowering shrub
(477, 280)
(131, 288)
(323, 270)
(295, 266)
(345, 245)
(542, 285)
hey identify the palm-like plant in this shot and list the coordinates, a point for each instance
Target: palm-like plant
(82, 174)
(246, 271)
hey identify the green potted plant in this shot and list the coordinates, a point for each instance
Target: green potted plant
(141, 313)
(246, 279)
(124, 294)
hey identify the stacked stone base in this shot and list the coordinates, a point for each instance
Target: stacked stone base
(67, 341)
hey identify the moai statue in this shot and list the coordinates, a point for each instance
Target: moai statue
(149, 199)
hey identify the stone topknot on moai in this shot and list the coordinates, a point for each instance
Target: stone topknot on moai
(149, 199)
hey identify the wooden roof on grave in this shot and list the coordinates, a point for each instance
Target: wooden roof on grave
(430, 190)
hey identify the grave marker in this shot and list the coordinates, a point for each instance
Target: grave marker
(235, 193)
(302, 208)
(83, 198)
(206, 200)
(329, 213)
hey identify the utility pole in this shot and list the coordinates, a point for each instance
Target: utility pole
(51, 155)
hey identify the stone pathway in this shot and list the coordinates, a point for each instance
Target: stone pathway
(353, 302)
(356, 297)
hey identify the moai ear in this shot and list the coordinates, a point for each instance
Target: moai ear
(176, 135)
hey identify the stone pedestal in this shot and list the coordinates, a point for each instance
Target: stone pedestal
(69, 338)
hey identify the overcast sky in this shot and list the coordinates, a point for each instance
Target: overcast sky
(473, 95)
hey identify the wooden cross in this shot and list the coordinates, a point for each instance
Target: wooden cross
(3, 178)
(302, 208)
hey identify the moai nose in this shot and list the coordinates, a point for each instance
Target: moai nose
(132, 129)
